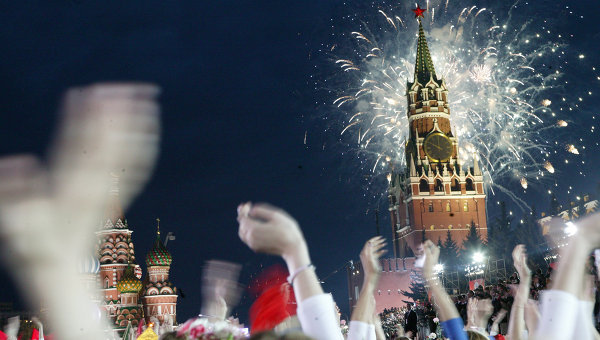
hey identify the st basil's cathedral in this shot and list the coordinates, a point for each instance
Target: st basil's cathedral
(124, 297)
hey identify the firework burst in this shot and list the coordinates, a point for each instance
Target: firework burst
(498, 90)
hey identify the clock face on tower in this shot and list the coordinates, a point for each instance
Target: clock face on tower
(437, 147)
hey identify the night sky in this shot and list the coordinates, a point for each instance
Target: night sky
(237, 102)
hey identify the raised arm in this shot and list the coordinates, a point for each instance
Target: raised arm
(516, 323)
(451, 321)
(49, 212)
(560, 303)
(369, 257)
(270, 230)
(443, 303)
(361, 324)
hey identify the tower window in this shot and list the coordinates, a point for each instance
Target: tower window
(470, 186)
(466, 206)
(430, 207)
(455, 185)
(438, 185)
(448, 207)
(424, 186)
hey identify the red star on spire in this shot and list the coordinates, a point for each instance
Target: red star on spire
(419, 11)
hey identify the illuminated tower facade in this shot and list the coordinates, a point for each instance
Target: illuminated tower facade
(160, 296)
(118, 275)
(436, 192)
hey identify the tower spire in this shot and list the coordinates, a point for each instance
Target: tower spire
(424, 69)
(158, 227)
(113, 210)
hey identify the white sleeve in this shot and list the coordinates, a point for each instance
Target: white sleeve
(359, 330)
(559, 312)
(318, 319)
(584, 329)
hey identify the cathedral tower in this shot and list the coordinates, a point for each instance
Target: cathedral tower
(436, 192)
(160, 296)
(118, 271)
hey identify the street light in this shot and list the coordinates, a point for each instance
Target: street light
(438, 268)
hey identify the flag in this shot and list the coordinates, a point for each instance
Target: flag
(140, 328)
(473, 284)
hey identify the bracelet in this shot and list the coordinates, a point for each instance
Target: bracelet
(290, 279)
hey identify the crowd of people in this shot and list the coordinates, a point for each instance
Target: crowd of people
(44, 207)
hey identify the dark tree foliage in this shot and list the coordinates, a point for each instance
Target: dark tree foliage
(416, 289)
(501, 236)
(449, 252)
(471, 244)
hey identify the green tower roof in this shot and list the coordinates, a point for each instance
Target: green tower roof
(424, 69)
(128, 282)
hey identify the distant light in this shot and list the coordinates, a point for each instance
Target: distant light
(570, 229)
(438, 268)
(478, 257)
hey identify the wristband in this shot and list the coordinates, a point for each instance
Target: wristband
(290, 279)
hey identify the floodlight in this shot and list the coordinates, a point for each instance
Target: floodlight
(478, 257)
(570, 229)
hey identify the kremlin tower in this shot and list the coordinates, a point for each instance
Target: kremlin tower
(435, 194)
(160, 296)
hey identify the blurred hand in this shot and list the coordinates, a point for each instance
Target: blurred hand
(220, 288)
(519, 256)
(270, 230)
(500, 316)
(432, 256)
(369, 257)
(497, 320)
(48, 213)
(479, 311)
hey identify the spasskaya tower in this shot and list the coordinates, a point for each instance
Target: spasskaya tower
(436, 192)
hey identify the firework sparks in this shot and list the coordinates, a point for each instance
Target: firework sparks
(572, 149)
(549, 167)
(497, 93)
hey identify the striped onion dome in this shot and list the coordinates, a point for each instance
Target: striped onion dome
(89, 265)
(128, 282)
(158, 255)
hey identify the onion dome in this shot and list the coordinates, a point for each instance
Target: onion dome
(128, 282)
(158, 255)
(89, 265)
